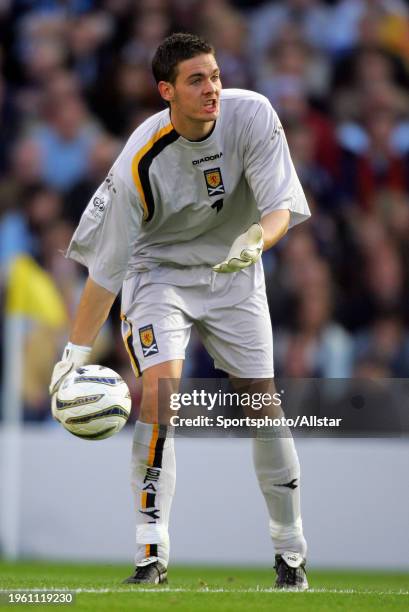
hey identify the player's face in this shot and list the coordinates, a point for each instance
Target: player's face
(195, 95)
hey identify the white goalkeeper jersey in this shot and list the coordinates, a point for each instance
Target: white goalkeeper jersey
(168, 200)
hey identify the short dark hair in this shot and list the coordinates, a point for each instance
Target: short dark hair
(174, 49)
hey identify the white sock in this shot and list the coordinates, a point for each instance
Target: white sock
(278, 472)
(153, 481)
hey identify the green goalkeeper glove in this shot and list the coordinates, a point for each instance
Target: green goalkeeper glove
(244, 252)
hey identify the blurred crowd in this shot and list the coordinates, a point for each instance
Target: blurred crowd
(75, 81)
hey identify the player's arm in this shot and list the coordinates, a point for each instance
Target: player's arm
(273, 180)
(269, 169)
(275, 225)
(93, 311)
(246, 250)
(103, 242)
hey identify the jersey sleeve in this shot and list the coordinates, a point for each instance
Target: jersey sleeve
(269, 169)
(107, 231)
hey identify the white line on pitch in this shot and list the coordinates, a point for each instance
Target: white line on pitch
(161, 589)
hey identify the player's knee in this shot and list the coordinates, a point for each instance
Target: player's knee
(158, 383)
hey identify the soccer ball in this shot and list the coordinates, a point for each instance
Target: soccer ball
(93, 402)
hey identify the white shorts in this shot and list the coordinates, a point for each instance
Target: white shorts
(229, 311)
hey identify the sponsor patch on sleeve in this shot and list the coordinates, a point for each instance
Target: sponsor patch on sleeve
(97, 206)
(102, 198)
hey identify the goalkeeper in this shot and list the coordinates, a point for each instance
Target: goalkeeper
(198, 192)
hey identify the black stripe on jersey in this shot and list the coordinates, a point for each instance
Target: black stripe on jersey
(144, 165)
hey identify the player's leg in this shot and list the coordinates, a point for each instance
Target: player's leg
(153, 473)
(277, 468)
(278, 472)
(156, 333)
(238, 335)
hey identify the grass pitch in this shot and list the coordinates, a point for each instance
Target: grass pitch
(198, 589)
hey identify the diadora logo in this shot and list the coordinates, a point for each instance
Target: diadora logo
(218, 205)
(196, 162)
(293, 484)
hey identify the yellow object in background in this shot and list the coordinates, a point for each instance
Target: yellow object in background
(32, 293)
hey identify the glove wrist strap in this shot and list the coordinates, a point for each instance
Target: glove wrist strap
(76, 353)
